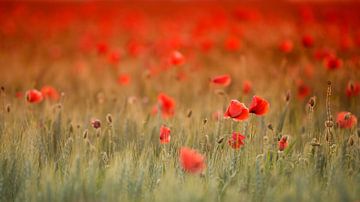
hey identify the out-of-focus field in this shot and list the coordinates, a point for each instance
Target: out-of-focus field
(91, 91)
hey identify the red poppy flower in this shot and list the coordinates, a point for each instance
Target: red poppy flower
(232, 43)
(206, 44)
(50, 92)
(114, 57)
(177, 58)
(283, 143)
(237, 111)
(123, 79)
(134, 48)
(247, 87)
(259, 106)
(286, 46)
(222, 80)
(352, 89)
(332, 63)
(346, 120)
(102, 48)
(19, 95)
(307, 41)
(322, 53)
(236, 140)
(34, 96)
(191, 161)
(166, 105)
(164, 135)
(303, 90)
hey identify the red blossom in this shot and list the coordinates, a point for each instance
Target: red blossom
(34, 96)
(286, 46)
(307, 41)
(332, 63)
(259, 106)
(346, 120)
(50, 92)
(283, 143)
(164, 134)
(352, 89)
(222, 80)
(236, 140)
(191, 161)
(166, 104)
(123, 79)
(247, 87)
(114, 57)
(177, 58)
(237, 111)
(232, 44)
(303, 90)
(102, 48)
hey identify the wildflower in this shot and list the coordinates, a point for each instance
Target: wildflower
(237, 111)
(34, 96)
(352, 89)
(286, 46)
(166, 105)
(303, 90)
(164, 134)
(222, 80)
(114, 57)
(177, 58)
(123, 79)
(236, 140)
(346, 120)
(102, 48)
(191, 161)
(332, 63)
(50, 92)
(307, 41)
(283, 143)
(259, 106)
(247, 87)
(232, 43)
(95, 123)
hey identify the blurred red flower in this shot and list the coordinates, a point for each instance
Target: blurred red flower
(352, 89)
(303, 90)
(236, 140)
(50, 92)
(307, 41)
(346, 120)
(114, 57)
(286, 46)
(259, 106)
(283, 143)
(222, 80)
(237, 111)
(166, 104)
(34, 96)
(164, 134)
(177, 58)
(102, 48)
(123, 79)
(232, 44)
(191, 161)
(332, 63)
(247, 87)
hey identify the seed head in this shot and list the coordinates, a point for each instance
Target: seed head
(109, 118)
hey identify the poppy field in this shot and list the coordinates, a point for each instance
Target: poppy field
(179, 101)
